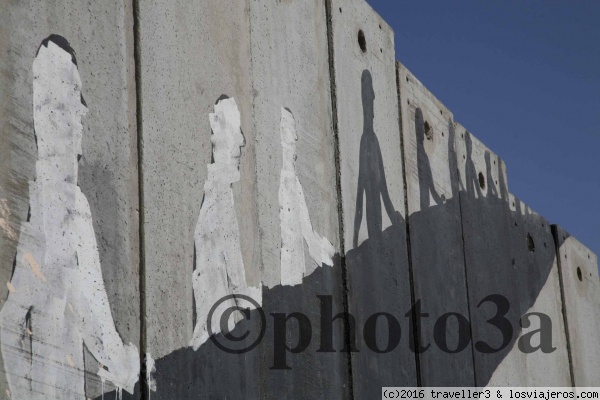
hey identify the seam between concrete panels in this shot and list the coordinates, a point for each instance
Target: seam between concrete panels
(411, 279)
(140, 150)
(263, 390)
(563, 308)
(338, 182)
(462, 238)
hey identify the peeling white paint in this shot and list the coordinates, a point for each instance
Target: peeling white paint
(57, 258)
(150, 370)
(296, 227)
(219, 269)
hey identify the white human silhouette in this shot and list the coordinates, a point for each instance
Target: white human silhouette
(219, 269)
(57, 300)
(296, 227)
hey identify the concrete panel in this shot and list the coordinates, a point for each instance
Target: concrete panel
(290, 69)
(435, 228)
(189, 58)
(102, 185)
(372, 193)
(284, 193)
(535, 275)
(487, 246)
(581, 296)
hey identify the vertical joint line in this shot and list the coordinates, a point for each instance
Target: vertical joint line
(415, 330)
(338, 182)
(555, 234)
(462, 236)
(144, 389)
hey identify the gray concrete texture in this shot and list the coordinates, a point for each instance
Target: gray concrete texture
(534, 271)
(101, 33)
(389, 201)
(581, 297)
(434, 219)
(373, 210)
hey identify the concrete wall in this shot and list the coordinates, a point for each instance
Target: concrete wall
(54, 356)
(274, 150)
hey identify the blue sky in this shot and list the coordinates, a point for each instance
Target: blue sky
(524, 77)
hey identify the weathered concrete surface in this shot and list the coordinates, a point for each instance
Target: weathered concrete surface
(290, 69)
(535, 276)
(581, 297)
(372, 192)
(279, 63)
(189, 58)
(487, 248)
(434, 220)
(102, 36)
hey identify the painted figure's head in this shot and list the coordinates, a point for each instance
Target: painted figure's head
(368, 97)
(227, 138)
(58, 108)
(288, 137)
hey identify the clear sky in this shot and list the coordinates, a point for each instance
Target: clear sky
(523, 77)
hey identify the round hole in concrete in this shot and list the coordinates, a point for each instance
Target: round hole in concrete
(579, 274)
(481, 181)
(380, 26)
(381, 50)
(362, 42)
(442, 133)
(530, 243)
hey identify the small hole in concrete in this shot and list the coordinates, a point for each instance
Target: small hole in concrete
(513, 203)
(379, 26)
(441, 112)
(340, 9)
(494, 162)
(408, 101)
(381, 50)
(442, 133)
(530, 243)
(362, 42)
(545, 245)
(407, 79)
(462, 135)
(579, 274)
(481, 181)
(516, 224)
(513, 262)
(464, 158)
(428, 131)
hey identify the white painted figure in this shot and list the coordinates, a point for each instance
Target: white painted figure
(219, 269)
(296, 227)
(57, 300)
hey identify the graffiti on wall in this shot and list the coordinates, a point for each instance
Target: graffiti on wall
(219, 267)
(57, 301)
(296, 227)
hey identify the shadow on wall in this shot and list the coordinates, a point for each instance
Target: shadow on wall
(210, 372)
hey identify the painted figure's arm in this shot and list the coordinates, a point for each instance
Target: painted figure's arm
(96, 323)
(360, 189)
(320, 249)
(385, 195)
